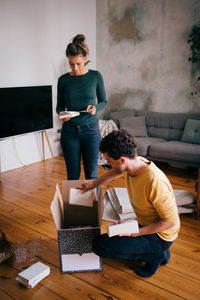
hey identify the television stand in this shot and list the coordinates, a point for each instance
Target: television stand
(44, 132)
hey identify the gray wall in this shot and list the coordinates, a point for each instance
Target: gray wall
(142, 53)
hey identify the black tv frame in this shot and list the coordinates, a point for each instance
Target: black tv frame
(25, 110)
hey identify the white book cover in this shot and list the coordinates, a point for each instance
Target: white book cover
(34, 273)
(34, 282)
(109, 213)
(128, 216)
(123, 199)
(123, 228)
(77, 197)
(69, 114)
(113, 202)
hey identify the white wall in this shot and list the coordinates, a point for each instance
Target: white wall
(34, 35)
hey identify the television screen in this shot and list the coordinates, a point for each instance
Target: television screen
(25, 109)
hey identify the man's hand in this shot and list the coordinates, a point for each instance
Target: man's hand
(86, 186)
(131, 234)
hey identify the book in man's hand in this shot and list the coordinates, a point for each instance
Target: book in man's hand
(69, 114)
(128, 227)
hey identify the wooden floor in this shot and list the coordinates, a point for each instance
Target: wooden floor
(25, 197)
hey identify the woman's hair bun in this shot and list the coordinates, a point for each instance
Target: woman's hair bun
(79, 38)
(78, 46)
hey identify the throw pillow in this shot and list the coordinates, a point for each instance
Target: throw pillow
(136, 125)
(123, 113)
(191, 133)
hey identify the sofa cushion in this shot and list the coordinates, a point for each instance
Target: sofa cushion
(116, 115)
(177, 124)
(143, 144)
(176, 151)
(158, 124)
(191, 133)
(136, 125)
(168, 126)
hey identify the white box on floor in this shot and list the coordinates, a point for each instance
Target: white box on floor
(77, 226)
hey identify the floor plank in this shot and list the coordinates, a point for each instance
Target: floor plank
(25, 197)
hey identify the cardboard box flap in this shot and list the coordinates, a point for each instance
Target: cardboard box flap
(100, 204)
(60, 200)
(57, 209)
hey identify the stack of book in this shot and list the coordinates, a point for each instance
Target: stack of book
(117, 205)
(33, 275)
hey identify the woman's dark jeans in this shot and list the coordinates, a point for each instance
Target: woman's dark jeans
(145, 248)
(77, 141)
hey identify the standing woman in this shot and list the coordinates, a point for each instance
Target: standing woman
(81, 89)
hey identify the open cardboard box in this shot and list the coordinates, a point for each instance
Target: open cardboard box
(76, 227)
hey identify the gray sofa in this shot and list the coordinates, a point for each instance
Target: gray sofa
(166, 137)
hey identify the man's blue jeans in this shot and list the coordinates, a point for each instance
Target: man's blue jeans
(77, 141)
(147, 248)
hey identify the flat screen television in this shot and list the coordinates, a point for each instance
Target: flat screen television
(25, 109)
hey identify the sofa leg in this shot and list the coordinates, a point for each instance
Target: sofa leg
(198, 195)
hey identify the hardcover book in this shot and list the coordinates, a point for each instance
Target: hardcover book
(69, 114)
(34, 274)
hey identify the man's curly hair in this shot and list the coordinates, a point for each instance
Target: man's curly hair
(119, 143)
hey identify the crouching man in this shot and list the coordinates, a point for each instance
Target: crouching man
(153, 201)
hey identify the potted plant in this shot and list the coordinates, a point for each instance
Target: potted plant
(194, 40)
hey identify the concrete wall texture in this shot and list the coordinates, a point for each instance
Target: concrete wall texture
(142, 53)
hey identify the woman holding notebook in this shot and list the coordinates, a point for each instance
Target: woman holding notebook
(81, 90)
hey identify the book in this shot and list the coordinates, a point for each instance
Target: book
(121, 205)
(122, 197)
(69, 114)
(76, 197)
(34, 274)
(109, 213)
(123, 228)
